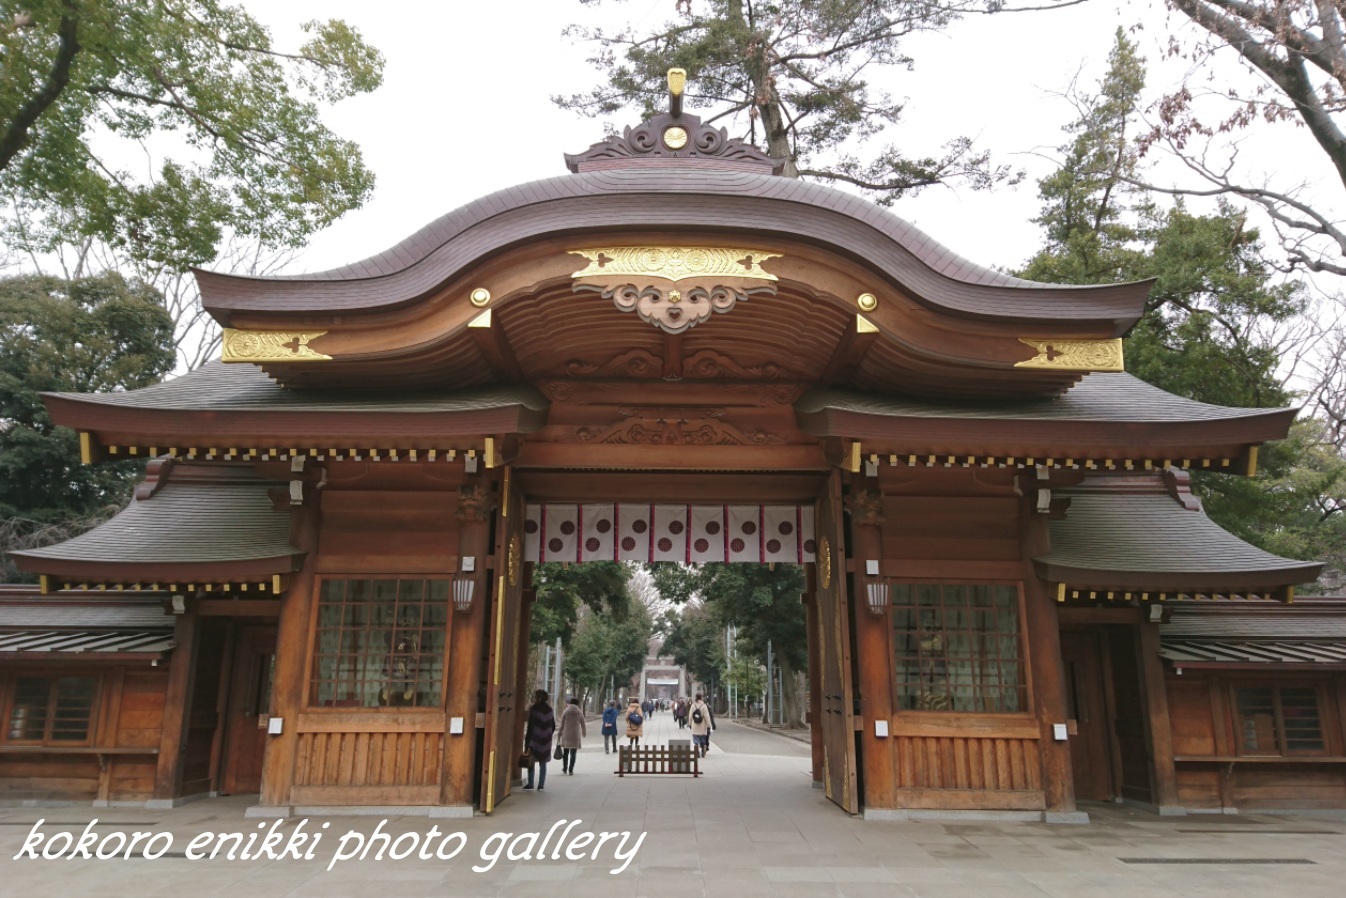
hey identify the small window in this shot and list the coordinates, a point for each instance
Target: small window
(380, 643)
(52, 710)
(958, 648)
(1278, 720)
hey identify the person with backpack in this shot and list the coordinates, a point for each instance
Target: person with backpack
(610, 714)
(703, 721)
(635, 722)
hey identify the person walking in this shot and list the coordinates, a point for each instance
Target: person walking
(572, 728)
(635, 722)
(610, 714)
(703, 721)
(537, 737)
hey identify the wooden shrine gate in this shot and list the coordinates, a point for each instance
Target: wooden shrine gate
(505, 703)
(833, 634)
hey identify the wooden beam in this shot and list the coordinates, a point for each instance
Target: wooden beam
(467, 629)
(850, 351)
(292, 641)
(1155, 693)
(673, 487)
(671, 457)
(177, 698)
(237, 607)
(489, 335)
(878, 756)
(1046, 669)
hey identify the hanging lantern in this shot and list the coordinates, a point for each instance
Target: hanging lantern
(878, 598)
(462, 593)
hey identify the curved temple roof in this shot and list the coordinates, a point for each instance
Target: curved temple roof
(671, 196)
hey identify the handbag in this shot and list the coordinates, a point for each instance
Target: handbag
(526, 760)
(558, 754)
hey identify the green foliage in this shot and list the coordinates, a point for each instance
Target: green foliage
(1214, 299)
(695, 641)
(794, 78)
(607, 649)
(199, 77)
(763, 601)
(562, 589)
(747, 676)
(97, 334)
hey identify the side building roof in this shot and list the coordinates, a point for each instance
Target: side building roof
(1146, 533)
(193, 524)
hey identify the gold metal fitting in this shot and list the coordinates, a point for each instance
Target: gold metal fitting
(677, 80)
(867, 301)
(480, 297)
(675, 138)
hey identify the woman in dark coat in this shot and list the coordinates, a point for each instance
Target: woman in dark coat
(537, 737)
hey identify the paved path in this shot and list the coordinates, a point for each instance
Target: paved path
(752, 827)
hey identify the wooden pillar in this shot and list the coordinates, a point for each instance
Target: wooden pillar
(815, 681)
(1163, 772)
(292, 641)
(874, 644)
(177, 701)
(465, 644)
(1043, 631)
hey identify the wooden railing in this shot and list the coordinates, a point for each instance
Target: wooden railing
(644, 759)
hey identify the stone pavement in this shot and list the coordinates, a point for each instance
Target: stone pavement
(751, 826)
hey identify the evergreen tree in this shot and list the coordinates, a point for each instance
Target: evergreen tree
(795, 79)
(95, 334)
(1204, 333)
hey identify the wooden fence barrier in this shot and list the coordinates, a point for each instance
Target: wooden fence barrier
(643, 759)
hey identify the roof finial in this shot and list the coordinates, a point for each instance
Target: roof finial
(677, 80)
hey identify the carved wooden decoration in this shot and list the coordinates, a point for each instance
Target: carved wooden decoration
(705, 364)
(671, 287)
(474, 502)
(676, 427)
(1074, 355)
(866, 508)
(270, 346)
(674, 136)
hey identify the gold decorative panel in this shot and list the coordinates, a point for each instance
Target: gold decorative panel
(675, 263)
(1074, 355)
(270, 346)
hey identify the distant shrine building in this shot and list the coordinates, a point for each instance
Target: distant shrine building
(321, 590)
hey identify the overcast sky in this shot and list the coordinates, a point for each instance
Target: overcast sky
(465, 108)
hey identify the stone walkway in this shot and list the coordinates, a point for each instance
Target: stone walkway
(752, 826)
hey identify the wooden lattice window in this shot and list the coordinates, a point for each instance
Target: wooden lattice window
(380, 643)
(56, 710)
(1278, 720)
(958, 648)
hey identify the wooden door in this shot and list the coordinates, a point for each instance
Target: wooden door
(834, 650)
(1086, 703)
(248, 709)
(504, 702)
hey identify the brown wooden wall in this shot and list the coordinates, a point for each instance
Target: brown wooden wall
(945, 525)
(127, 729)
(389, 521)
(1211, 776)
